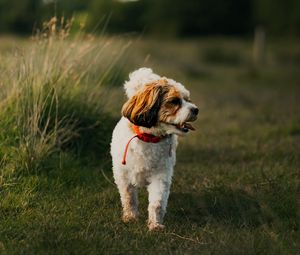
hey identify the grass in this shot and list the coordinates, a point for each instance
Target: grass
(236, 188)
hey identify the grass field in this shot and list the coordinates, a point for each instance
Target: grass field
(236, 188)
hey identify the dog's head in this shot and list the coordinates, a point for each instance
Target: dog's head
(163, 104)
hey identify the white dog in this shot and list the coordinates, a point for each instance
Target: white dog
(144, 141)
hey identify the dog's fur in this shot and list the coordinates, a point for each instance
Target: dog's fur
(159, 106)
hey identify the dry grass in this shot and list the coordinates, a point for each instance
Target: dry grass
(51, 90)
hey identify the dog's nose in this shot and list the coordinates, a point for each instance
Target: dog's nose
(195, 110)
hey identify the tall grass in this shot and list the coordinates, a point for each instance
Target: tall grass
(52, 96)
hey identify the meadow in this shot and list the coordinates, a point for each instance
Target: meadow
(236, 187)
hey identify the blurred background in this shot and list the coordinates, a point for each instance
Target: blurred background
(167, 18)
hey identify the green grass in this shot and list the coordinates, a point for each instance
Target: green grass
(236, 188)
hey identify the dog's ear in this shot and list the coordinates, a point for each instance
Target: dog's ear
(142, 109)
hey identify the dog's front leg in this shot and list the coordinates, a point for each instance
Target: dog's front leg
(158, 198)
(129, 201)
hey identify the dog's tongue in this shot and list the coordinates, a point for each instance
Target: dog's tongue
(189, 126)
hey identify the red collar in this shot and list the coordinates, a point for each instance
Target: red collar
(148, 138)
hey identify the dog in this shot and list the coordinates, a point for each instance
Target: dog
(144, 141)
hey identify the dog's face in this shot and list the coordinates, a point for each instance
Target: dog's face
(163, 105)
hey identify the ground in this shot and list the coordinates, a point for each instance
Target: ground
(236, 187)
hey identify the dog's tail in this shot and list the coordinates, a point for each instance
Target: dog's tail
(138, 79)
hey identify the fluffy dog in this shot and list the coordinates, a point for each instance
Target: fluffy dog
(144, 141)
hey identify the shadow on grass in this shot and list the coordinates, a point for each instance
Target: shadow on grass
(85, 160)
(220, 204)
(212, 156)
(233, 155)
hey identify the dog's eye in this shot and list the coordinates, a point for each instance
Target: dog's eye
(175, 101)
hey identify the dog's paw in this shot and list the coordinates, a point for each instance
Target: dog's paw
(154, 226)
(129, 217)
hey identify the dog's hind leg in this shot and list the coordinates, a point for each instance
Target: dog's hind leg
(129, 201)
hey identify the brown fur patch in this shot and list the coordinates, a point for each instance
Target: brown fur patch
(168, 108)
(156, 99)
(142, 109)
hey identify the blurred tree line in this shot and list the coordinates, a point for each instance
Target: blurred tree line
(158, 17)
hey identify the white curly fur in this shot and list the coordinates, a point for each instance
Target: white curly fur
(148, 164)
(138, 79)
